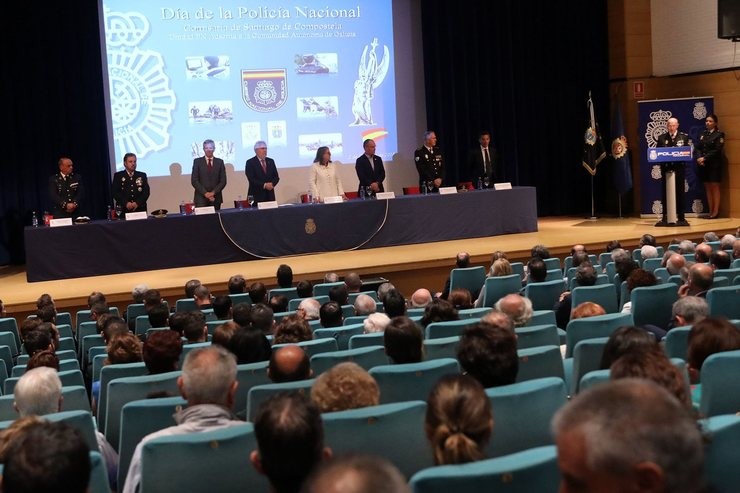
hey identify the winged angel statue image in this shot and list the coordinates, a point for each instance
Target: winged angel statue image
(371, 74)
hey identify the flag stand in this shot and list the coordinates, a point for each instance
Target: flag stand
(593, 213)
(619, 195)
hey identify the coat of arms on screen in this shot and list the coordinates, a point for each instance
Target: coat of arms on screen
(264, 90)
(310, 226)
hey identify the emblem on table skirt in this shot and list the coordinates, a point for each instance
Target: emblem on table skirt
(310, 226)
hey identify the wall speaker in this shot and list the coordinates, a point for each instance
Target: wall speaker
(728, 19)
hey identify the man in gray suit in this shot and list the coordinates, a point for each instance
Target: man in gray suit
(208, 177)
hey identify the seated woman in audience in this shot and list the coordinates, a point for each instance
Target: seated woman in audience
(292, 330)
(162, 351)
(460, 299)
(404, 341)
(587, 309)
(707, 337)
(652, 363)
(438, 311)
(121, 348)
(345, 386)
(222, 334)
(499, 267)
(249, 346)
(458, 421)
(624, 340)
(43, 358)
(638, 278)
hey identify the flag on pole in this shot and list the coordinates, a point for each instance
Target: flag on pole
(593, 147)
(622, 167)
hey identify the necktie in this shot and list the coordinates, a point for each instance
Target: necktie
(210, 164)
(264, 166)
(487, 160)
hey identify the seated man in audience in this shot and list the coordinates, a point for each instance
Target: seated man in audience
(97, 309)
(386, 287)
(462, 261)
(357, 474)
(178, 321)
(202, 297)
(304, 289)
(292, 330)
(720, 260)
(648, 251)
(190, 287)
(364, 305)
(628, 435)
(403, 341)
(27, 326)
(331, 315)
(237, 284)
(195, 329)
(278, 303)
(330, 277)
(707, 337)
(241, 313)
(284, 276)
(487, 351)
(47, 313)
(47, 456)
(309, 309)
(539, 251)
(578, 248)
(536, 271)
(726, 242)
(290, 440)
(689, 310)
(376, 322)
(39, 392)
(289, 364)
(675, 263)
(208, 383)
(222, 307)
(263, 318)
(340, 294)
(258, 293)
(585, 276)
(345, 386)
(137, 294)
(159, 316)
(711, 236)
(421, 298)
(686, 246)
(39, 339)
(698, 282)
(648, 239)
(702, 252)
(152, 298)
(353, 282)
(394, 304)
(223, 333)
(517, 307)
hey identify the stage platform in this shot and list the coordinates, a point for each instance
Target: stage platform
(407, 266)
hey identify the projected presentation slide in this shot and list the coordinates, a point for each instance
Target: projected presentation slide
(297, 76)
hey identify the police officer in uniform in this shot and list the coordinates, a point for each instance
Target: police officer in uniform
(430, 163)
(130, 187)
(709, 162)
(65, 190)
(674, 138)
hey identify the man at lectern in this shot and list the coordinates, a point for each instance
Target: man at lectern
(673, 138)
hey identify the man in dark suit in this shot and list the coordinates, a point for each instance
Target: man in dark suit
(482, 161)
(370, 170)
(262, 174)
(130, 187)
(673, 138)
(65, 190)
(208, 178)
(430, 163)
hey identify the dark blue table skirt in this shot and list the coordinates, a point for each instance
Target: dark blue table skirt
(113, 247)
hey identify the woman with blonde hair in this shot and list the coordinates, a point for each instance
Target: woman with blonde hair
(459, 421)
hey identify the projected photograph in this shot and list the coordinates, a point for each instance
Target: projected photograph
(207, 67)
(224, 150)
(309, 143)
(316, 63)
(317, 107)
(277, 134)
(157, 55)
(250, 134)
(210, 112)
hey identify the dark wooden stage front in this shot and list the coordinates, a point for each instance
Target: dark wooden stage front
(407, 266)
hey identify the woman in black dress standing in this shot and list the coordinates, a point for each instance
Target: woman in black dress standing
(710, 162)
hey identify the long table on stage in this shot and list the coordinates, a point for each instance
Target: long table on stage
(113, 247)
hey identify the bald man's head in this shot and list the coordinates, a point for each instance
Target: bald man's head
(289, 364)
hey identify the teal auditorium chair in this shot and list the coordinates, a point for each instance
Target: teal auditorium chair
(539, 362)
(721, 452)
(108, 374)
(554, 275)
(544, 295)
(523, 472)
(653, 305)
(10, 325)
(237, 298)
(260, 393)
(181, 462)
(603, 295)
(121, 391)
(542, 317)
(6, 356)
(134, 310)
(353, 296)
(518, 269)
(64, 365)
(553, 263)
(322, 288)
(185, 305)
(366, 357)
(393, 431)
(662, 274)
(591, 327)
(444, 347)
(724, 302)
(731, 274)
(290, 293)
(592, 378)
(436, 330)
(65, 331)
(586, 358)
(522, 413)
(8, 339)
(354, 319)
(74, 399)
(677, 342)
(470, 278)
(498, 287)
(537, 335)
(140, 418)
(277, 317)
(720, 387)
(477, 313)
(650, 264)
(64, 318)
(62, 355)
(365, 340)
(80, 419)
(411, 381)
(248, 375)
(315, 346)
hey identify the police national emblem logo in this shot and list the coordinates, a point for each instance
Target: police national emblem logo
(310, 226)
(590, 136)
(697, 206)
(657, 126)
(619, 147)
(700, 110)
(657, 207)
(264, 90)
